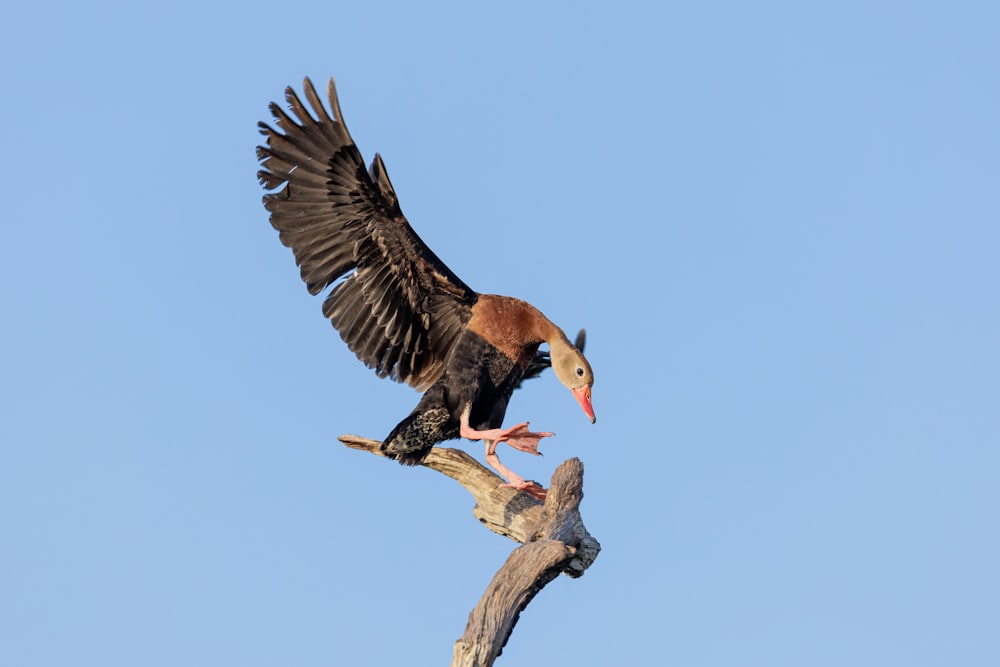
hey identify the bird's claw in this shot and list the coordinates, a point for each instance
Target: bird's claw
(519, 437)
(533, 489)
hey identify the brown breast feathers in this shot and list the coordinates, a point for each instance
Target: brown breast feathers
(512, 326)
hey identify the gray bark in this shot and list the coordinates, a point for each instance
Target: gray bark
(553, 538)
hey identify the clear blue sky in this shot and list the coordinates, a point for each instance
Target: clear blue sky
(780, 226)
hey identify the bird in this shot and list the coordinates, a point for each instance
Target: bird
(395, 304)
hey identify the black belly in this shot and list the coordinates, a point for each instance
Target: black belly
(478, 378)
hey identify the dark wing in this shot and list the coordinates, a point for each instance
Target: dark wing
(400, 309)
(542, 360)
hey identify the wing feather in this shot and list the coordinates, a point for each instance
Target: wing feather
(395, 304)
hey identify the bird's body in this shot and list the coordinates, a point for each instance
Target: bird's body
(399, 308)
(488, 362)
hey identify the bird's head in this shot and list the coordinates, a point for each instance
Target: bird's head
(574, 372)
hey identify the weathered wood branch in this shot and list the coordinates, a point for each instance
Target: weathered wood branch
(552, 535)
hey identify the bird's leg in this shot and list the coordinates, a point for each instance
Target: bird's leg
(514, 480)
(518, 437)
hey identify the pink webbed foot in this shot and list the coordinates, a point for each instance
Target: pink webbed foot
(518, 437)
(514, 481)
(533, 489)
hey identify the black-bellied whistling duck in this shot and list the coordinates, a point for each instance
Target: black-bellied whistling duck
(400, 309)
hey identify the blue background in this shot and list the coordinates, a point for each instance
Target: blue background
(778, 223)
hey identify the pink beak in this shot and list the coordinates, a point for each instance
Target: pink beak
(582, 395)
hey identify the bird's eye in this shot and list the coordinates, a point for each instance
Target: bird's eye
(579, 371)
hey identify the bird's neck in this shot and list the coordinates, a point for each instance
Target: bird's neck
(513, 325)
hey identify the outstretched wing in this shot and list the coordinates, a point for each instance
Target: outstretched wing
(400, 309)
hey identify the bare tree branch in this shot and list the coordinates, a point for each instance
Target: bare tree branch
(552, 533)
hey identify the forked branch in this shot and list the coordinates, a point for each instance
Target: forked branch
(552, 535)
